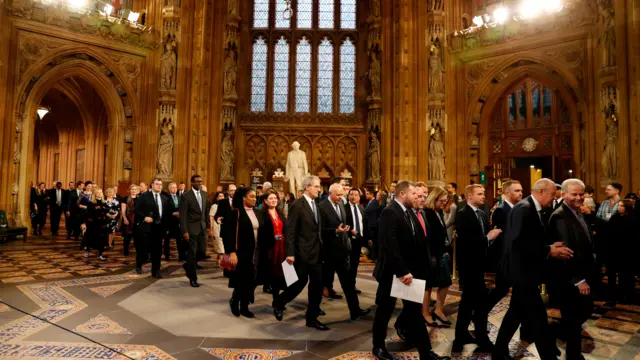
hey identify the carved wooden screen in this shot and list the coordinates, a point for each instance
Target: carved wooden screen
(531, 120)
(303, 69)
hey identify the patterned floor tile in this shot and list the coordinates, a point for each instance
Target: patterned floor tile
(12, 274)
(57, 275)
(47, 271)
(617, 325)
(606, 335)
(623, 315)
(367, 355)
(18, 279)
(249, 354)
(82, 267)
(108, 290)
(92, 272)
(56, 351)
(40, 266)
(102, 325)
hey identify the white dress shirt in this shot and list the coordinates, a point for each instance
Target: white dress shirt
(355, 208)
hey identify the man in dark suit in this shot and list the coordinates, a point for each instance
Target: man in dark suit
(512, 195)
(402, 250)
(72, 213)
(526, 252)
(57, 197)
(373, 211)
(304, 250)
(152, 216)
(67, 214)
(357, 221)
(181, 188)
(474, 238)
(572, 278)
(194, 223)
(337, 245)
(174, 225)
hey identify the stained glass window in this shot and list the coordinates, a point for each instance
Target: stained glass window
(535, 102)
(326, 14)
(261, 14)
(546, 101)
(281, 22)
(259, 76)
(348, 14)
(347, 77)
(305, 14)
(281, 76)
(513, 112)
(303, 76)
(325, 76)
(523, 105)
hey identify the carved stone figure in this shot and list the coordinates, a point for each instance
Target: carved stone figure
(297, 167)
(232, 8)
(610, 152)
(609, 34)
(374, 157)
(168, 68)
(227, 156)
(375, 8)
(374, 74)
(436, 154)
(436, 72)
(127, 164)
(230, 73)
(165, 152)
(435, 5)
(128, 135)
(14, 189)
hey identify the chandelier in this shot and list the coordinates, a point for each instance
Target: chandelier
(287, 14)
(528, 10)
(42, 111)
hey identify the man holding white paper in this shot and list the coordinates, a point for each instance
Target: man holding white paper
(403, 248)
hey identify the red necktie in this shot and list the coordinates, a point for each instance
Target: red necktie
(424, 227)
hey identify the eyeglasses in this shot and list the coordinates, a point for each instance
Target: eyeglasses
(443, 201)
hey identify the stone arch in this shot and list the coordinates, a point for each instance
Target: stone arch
(40, 78)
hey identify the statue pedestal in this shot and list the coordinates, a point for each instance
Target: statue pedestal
(372, 183)
(432, 184)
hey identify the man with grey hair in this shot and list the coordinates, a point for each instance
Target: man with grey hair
(337, 246)
(572, 278)
(526, 252)
(303, 247)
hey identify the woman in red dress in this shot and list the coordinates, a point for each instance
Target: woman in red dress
(272, 242)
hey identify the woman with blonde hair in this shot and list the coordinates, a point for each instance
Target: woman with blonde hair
(113, 215)
(126, 209)
(439, 276)
(96, 224)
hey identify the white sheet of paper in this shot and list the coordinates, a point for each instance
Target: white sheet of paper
(413, 292)
(289, 271)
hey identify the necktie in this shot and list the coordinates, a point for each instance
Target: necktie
(199, 200)
(584, 225)
(159, 208)
(338, 211)
(421, 221)
(410, 221)
(175, 200)
(356, 218)
(315, 211)
(58, 198)
(481, 220)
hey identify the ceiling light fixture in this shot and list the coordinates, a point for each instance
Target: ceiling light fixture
(133, 16)
(42, 111)
(477, 20)
(501, 14)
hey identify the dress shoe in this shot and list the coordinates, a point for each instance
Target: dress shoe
(433, 356)
(267, 289)
(157, 275)
(558, 352)
(321, 312)
(460, 341)
(138, 271)
(402, 333)
(235, 307)
(381, 354)
(443, 321)
(244, 311)
(317, 325)
(199, 267)
(576, 357)
(485, 345)
(357, 291)
(194, 283)
(335, 296)
(496, 356)
(278, 313)
(360, 313)
(432, 324)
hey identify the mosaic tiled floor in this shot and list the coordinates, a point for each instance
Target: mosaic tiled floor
(53, 281)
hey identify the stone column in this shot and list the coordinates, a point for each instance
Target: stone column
(436, 121)
(374, 90)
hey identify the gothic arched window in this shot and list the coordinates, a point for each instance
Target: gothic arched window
(306, 64)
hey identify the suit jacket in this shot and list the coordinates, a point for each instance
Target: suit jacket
(72, 200)
(146, 207)
(246, 244)
(373, 211)
(364, 232)
(525, 248)
(402, 247)
(472, 243)
(224, 211)
(174, 221)
(194, 219)
(337, 246)
(499, 219)
(564, 226)
(437, 232)
(303, 239)
(53, 198)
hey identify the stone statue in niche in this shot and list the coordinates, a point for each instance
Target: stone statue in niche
(436, 72)
(434, 5)
(168, 67)
(436, 154)
(374, 157)
(374, 74)
(165, 150)
(610, 152)
(297, 167)
(230, 73)
(227, 155)
(609, 33)
(375, 8)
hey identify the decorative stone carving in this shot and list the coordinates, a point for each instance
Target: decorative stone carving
(475, 74)
(230, 73)
(375, 70)
(436, 72)
(168, 67)
(374, 7)
(297, 167)
(278, 174)
(14, 189)
(474, 169)
(474, 142)
(436, 154)
(232, 8)
(278, 150)
(165, 150)
(255, 151)
(610, 153)
(324, 152)
(280, 119)
(19, 123)
(435, 5)
(346, 153)
(128, 135)
(16, 153)
(127, 164)
(608, 39)
(130, 67)
(373, 155)
(227, 155)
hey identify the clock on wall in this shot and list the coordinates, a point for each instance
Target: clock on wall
(529, 144)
